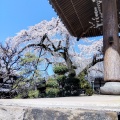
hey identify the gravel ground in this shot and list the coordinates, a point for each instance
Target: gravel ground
(95, 102)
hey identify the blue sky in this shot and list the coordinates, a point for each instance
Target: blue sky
(16, 15)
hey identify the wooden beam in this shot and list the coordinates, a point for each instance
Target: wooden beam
(111, 41)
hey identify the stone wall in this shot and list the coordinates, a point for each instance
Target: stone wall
(25, 113)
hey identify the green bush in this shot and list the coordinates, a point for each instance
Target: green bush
(41, 86)
(33, 94)
(28, 94)
(84, 84)
(89, 92)
(52, 89)
(42, 95)
(60, 69)
(73, 81)
(68, 85)
(52, 92)
(72, 73)
(82, 75)
(18, 97)
(60, 78)
(52, 83)
(71, 86)
(23, 93)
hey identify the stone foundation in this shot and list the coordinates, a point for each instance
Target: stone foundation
(25, 113)
(110, 88)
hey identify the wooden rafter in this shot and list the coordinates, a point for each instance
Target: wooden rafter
(79, 15)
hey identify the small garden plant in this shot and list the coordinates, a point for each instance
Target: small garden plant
(68, 83)
(84, 84)
(52, 88)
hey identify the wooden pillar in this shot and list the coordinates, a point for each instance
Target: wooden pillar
(111, 41)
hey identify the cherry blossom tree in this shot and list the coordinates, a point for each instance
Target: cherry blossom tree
(53, 42)
(8, 61)
(49, 37)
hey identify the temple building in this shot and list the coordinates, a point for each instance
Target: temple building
(92, 18)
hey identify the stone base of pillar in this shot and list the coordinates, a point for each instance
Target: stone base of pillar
(110, 88)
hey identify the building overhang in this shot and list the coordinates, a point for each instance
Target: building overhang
(82, 18)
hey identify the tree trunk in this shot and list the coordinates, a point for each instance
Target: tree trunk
(111, 41)
(68, 61)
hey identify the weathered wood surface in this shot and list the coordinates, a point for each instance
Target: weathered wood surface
(111, 47)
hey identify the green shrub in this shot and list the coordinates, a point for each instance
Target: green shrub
(28, 94)
(23, 93)
(72, 86)
(18, 97)
(72, 73)
(33, 94)
(68, 85)
(89, 92)
(82, 75)
(52, 92)
(41, 86)
(60, 78)
(52, 83)
(60, 69)
(42, 95)
(84, 84)
(73, 81)
(52, 89)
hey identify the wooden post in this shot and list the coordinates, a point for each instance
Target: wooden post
(111, 41)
